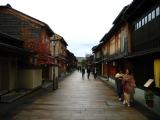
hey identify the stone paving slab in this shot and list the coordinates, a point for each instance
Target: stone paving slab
(77, 99)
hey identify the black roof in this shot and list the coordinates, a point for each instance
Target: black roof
(128, 14)
(65, 43)
(95, 48)
(138, 8)
(11, 44)
(5, 38)
(120, 19)
(121, 15)
(9, 37)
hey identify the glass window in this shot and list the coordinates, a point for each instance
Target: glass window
(139, 24)
(142, 21)
(149, 17)
(153, 14)
(157, 11)
(145, 20)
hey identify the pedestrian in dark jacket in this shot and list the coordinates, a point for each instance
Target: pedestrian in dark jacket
(83, 72)
(88, 72)
(95, 72)
(119, 77)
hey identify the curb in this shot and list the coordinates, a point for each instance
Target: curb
(7, 107)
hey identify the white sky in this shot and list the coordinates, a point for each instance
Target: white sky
(82, 23)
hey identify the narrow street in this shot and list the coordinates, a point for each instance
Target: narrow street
(77, 99)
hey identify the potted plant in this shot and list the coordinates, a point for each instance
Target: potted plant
(149, 98)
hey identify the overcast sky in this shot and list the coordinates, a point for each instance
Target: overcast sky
(82, 23)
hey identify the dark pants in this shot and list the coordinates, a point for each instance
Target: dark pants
(88, 75)
(83, 75)
(119, 88)
(95, 75)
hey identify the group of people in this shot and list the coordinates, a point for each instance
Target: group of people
(88, 72)
(125, 86)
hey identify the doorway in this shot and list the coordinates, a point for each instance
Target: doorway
(4, 75)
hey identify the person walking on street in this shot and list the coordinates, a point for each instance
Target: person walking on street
(128, 87)
(83, 72)
(88, 72)
(119, 78)
(95, 72)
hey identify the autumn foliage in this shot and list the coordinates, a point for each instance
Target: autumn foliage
(41, 49)
(39, 46)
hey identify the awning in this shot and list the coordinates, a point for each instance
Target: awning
(143, 53)
(113, 58)
(13, 49)
(99, 61)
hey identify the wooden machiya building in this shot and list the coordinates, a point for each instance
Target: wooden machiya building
(134, 42)
(97, 58)
(60, 54)
(35, 36)
(144, 16)
(71, 62)
(115, 45)
(62, 57)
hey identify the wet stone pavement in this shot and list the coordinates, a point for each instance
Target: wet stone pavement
(77, 99)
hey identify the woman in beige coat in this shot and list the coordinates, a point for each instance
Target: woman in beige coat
(128, 87)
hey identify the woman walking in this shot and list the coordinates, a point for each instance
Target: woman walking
(128, 87)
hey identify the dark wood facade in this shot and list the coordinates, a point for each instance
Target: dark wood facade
(12, 53)
(147, 37)
(145, 42)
